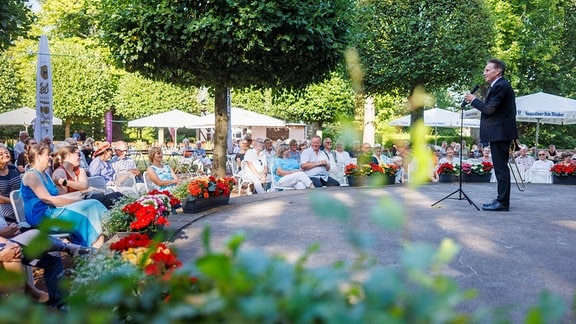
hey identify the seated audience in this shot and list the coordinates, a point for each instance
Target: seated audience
(21, 161)
(241, 153)
(187, 150)
(316, 164)
(553, 154)
(12, 258)
(200, 154)
(42, 201)
(269, 152)
(287, 171)
(400, 175)
(524, 161)
(100, 165)
(122, 163)
(256, 166)
(343, 157)
(366, 156)
(566, 158)
(540, 170)
(449, 158)
(19, 146)
(294, 152)
(160, 174)
(486, 156)
(84, 164)
(380, 156)
(70, 177)
(88, 150)
(9, 181)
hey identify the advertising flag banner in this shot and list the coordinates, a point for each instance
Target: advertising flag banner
(43, 121)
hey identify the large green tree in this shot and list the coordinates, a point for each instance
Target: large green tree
(319, 103)
(404, 44)
(10, 94)
(15, 20)
(269, 43)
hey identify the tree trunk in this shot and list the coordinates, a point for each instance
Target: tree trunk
(221, 131)
(416, 102)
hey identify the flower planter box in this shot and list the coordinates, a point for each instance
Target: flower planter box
(367, 181)
(565, 180)
(447, 178)
(476, 177)
(201, 204)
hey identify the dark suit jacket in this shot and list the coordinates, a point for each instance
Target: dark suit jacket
(498, 119)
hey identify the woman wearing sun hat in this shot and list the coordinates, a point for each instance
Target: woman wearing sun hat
(100, 165)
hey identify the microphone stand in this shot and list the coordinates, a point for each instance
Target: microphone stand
(462, 195)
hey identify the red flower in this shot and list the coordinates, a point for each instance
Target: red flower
(446, 168)
(563, 170)
(211, 186)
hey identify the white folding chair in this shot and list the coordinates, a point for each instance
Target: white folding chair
(147, 182)
(126, 184)
(276, 187)
(18, 206)
(242, 178)
(97, 182)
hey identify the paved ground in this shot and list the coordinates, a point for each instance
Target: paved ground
(508, 257)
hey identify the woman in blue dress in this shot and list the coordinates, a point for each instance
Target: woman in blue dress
(287, 172)
(41, 201)
(159, 173)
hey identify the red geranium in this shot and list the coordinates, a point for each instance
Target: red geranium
(151, 210)
(563, 170)
(211, 186)
(155, 258)
(446, 168)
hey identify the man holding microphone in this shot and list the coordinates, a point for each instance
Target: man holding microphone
(497, 127)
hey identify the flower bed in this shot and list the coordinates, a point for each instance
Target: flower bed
(145, 215)
(370, 174)
(207, 192)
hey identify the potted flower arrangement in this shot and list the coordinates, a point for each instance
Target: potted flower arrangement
(563, 174)
(477, 172)
(358, 174)
(447, 172)
(208, 192)
(146, 214)
(155, 258)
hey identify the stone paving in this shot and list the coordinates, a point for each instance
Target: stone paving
(508, 257)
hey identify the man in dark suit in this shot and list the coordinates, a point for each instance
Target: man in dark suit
(498, 127)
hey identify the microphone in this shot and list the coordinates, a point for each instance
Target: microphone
(464, 103)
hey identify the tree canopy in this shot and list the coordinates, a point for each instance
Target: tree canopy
(277, 44)
(403, 43)
(15, 20)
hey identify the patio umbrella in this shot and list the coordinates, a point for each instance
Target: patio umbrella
(22, 116)
(172, 119)
(437, 117)
(545, 108)
(242, 117)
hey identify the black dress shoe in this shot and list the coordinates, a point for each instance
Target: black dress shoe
(490, 203)
(496, 207)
